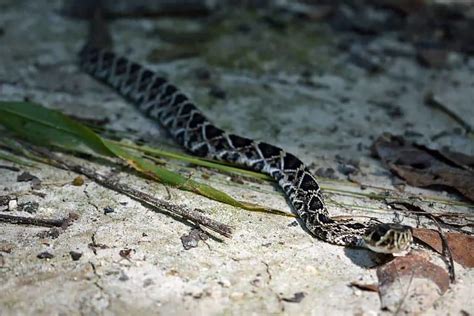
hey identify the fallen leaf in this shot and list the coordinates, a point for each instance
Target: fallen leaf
(411, 284)
(422, 167)
(461, 245)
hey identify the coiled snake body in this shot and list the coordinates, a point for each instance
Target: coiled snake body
(161, 101)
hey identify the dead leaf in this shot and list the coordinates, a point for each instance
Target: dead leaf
(422, 167)
(411, 284)
(461, 245)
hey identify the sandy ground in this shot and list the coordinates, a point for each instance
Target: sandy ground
(331, 113)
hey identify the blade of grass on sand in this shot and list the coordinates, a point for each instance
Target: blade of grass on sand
(195, 160)
(46, 127)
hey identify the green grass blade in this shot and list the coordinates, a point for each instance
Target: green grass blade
(42, 126)
(195, 160)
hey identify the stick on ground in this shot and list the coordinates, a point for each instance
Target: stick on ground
(151, 201)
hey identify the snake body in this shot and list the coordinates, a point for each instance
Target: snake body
(163, 102)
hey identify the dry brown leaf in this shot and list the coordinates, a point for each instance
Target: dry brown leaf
(411, 284)
(461, 245)
(423, 167)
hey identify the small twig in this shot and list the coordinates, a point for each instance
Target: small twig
(179, 210)
(446, 250)
(34, 221)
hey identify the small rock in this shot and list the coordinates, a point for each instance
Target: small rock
(45, 255)
(108, 210)
(297, 297)
(189, 242)
(12, 205)
(125, 253)
(75, 255)
(25, 177)
(224, 283)
(192, 239)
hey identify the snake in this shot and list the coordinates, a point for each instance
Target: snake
(164, 103)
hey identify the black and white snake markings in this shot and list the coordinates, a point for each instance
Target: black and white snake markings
(161, 101)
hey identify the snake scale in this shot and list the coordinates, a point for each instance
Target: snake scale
(164, 103)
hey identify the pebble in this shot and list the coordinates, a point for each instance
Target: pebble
(75, 255)
(45, 255)
(12, 205)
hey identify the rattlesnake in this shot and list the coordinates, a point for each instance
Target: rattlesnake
(163, 102)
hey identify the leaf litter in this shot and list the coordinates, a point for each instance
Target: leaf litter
(423, 167)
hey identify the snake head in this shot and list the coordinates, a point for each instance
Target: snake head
(388, 238)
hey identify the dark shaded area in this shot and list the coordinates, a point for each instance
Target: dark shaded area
(433, 29)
